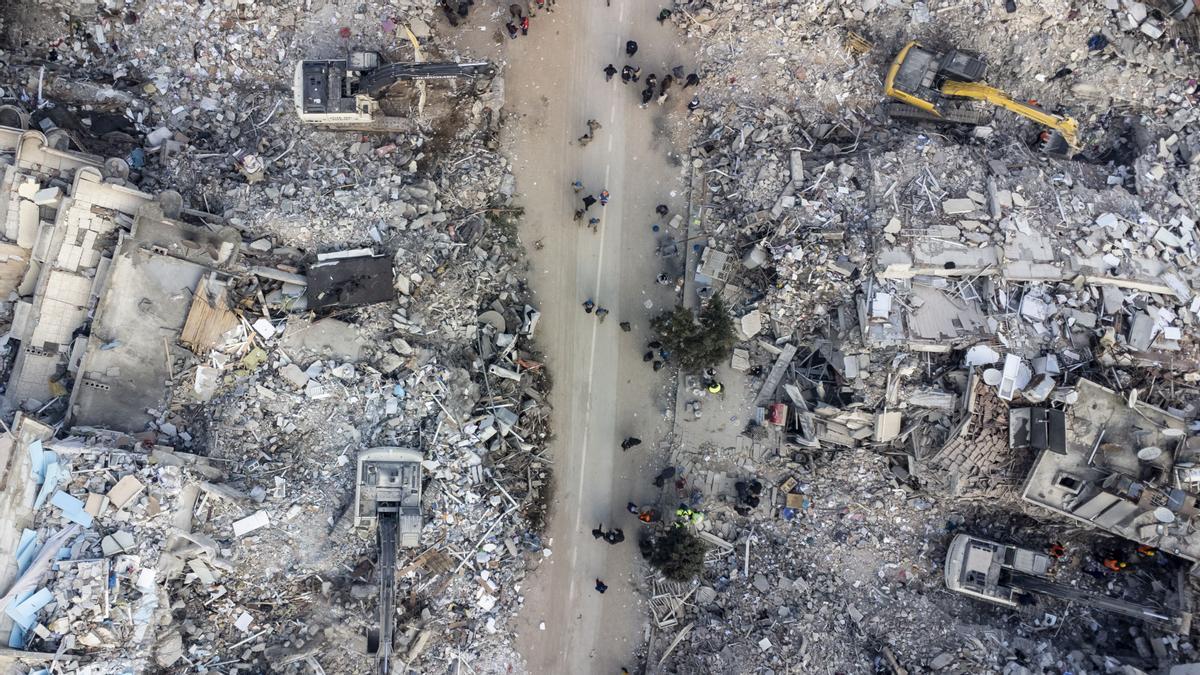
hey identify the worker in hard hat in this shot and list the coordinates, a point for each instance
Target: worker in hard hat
(714, 387)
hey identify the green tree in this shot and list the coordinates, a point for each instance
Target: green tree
(698, 341)
(678, 554)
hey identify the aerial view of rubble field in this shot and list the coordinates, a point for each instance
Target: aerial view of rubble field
(615, 337)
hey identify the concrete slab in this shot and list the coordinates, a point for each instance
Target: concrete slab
(140, 315)
(327, 338)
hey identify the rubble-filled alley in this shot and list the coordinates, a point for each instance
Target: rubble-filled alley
(703, 337)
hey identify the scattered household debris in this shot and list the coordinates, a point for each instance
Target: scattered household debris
(938, 327)
(210, 309)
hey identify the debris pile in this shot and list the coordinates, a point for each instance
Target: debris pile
(188, 265)
(934, 320)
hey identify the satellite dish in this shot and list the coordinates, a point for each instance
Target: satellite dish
(58, 139)
(1149, 454)
(992, 377)
(13, 117)
(171, 203)
(1164, 515)
(115, 167)
(494, 319)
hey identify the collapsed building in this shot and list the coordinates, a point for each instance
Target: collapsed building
(939, 331)
(190, 387)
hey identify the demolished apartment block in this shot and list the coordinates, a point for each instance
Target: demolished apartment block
(1126, 469)
(97, 528)
(997, 269)
(109, 276)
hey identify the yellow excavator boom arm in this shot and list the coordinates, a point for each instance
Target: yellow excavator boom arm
(1066, 126)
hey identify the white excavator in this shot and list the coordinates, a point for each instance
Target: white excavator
(345, 94)
(388, 496)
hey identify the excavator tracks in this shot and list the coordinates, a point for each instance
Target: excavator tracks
(954, 114)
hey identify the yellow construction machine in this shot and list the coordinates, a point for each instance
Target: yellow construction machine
(944, 86)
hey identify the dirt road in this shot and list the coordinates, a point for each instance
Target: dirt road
(603, 391)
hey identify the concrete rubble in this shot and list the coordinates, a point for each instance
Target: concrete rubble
(943, 321)
(210, 309)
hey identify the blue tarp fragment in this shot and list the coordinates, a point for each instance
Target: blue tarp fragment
(72, 508)
(27, 549)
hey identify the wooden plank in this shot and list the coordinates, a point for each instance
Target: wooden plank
(207, 319)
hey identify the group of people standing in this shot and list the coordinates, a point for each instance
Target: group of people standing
(655, 88)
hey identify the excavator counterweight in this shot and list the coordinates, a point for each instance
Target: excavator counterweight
(942, 86)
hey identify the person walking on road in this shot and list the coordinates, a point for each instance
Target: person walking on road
(661, 210)
(594, 223)
(449, 12)
(626, 74)
(601, 313)
(524, 25)
(615, 536)
(604, 196)
(637, 73)
(588, 201)
(693, 80)
(514, 10)
(652, 80)
(601, 586)
(609, 71)
(663, 15)
(630, 48)
(647, 94)
(588, 305)
(592, 126)
(577, 186)
(630, 442)
(694, 103)
(632, 508)
(512, 30)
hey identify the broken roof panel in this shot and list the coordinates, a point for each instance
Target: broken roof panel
(349, 282)
(1116, 487)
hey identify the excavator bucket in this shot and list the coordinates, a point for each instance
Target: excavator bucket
(1054, 144)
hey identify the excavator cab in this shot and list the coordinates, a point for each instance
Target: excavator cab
(942, 86)
(344, 94)
(917, 74)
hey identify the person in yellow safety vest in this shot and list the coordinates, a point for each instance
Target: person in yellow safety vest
(683, 513)
(714, 387)
(697, 517)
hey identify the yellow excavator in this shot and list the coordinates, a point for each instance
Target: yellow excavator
(943, 86)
